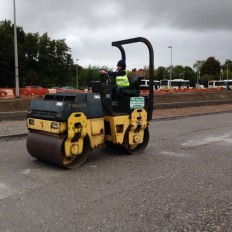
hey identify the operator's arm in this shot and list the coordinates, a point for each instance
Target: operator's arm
(118, 73)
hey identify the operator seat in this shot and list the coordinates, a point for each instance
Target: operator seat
(134, 88)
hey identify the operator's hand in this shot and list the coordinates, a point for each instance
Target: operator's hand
(103, 72)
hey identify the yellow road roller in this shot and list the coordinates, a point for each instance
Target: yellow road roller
(65, 127)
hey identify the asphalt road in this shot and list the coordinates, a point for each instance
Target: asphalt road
(182, 182)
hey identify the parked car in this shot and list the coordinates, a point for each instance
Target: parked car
(35, 90)
(198, 86)
(55, 90)
(67, 87)
(3, 93)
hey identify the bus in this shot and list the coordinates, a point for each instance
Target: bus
(145, 84)
(220, 84)
(228, 84)
(217, 84)
(174, 84)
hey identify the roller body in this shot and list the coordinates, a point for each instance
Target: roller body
(67, 143)
(64, 127)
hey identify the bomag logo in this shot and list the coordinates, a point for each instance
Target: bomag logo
(76, 105)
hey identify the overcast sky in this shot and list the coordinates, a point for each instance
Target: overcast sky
(195, 29)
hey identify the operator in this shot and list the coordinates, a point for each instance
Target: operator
(121, 75)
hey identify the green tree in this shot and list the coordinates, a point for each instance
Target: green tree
(31, 48)
(190, 75)
(204, 79)
(6, 53)
(178, 72)
(197, 66)
(211, 67)
(63, 63)
(7, 61)
(45, 59)
(42, 61)
(227, 69)
(55, 65)
(161, 73)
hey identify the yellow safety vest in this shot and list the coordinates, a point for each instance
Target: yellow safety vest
(123, 80)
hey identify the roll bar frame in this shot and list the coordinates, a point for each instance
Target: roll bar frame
(118, 44)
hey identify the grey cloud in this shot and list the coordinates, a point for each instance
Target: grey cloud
(183, 14)
(97, 15)
(194, 28)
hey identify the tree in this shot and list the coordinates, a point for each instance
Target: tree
(178, 72)
(7, 65)
(227, 69)
(189, 74)
(63, 62)
(42, 61)
(197, 66)
(211, 67)
(161, 73)
(31, 54)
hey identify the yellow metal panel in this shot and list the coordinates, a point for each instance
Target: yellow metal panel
(118, 127)
(96, 132)
(138, 124)
(77, 130)
(46, 125)
(97, 126)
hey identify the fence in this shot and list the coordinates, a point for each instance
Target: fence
(33, 92)
(40, 92)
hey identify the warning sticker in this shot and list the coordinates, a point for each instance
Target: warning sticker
(59, 103)
(136, 102)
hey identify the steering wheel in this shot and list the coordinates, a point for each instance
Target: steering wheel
(105, 77)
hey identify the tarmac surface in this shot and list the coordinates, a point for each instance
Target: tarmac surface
(181, 182)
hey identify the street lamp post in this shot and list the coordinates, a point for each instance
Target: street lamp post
(16, 55)
(171, 63)
(144, 72)
(76, 74)
(198, 76)
(227, 64)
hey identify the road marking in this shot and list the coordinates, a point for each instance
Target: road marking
(26, 172)
(4, 191)
(170, 153)
(226, 138)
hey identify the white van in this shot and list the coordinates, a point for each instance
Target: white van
(198, 86)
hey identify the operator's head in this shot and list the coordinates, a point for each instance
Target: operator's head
(122, 64)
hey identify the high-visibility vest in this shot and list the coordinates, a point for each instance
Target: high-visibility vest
(123, 80)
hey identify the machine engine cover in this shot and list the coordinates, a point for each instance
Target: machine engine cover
(59, 106)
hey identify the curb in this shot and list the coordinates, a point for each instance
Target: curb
(17, 115)
(189, 115)
(191, 104)
(10, 137)
(21, 115)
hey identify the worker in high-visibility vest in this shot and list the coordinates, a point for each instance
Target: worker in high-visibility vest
(121, 79)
